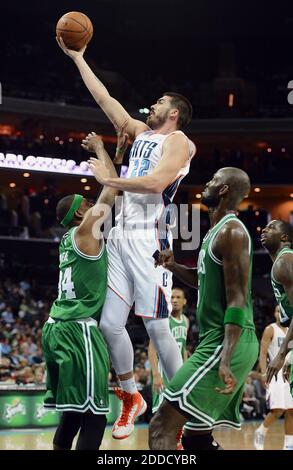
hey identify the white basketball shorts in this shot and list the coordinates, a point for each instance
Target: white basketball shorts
(132, 273)
(278, 394)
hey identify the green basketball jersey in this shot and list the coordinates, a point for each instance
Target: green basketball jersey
(82, 282)
(212, 304)
(179, 331)
(286, 310)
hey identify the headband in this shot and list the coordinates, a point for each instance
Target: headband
(75, 205)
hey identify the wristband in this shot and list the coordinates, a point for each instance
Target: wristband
(235, 315)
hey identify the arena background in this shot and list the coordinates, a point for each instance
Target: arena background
(233, 62)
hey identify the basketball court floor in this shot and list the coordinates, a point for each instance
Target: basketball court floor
(229, 439)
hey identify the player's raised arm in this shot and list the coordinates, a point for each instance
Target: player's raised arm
(111, 107)
(87, 234)
(283, 274)
(175, 156)
(232, 244)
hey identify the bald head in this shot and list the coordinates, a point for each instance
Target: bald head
(238, 182)
(231, 184)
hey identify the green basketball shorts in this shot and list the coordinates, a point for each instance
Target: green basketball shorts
(77, 363)
(193, 386)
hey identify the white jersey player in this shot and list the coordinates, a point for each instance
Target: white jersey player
(279, 398)
(160, 158)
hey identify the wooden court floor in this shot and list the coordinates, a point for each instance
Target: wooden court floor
(41, 439)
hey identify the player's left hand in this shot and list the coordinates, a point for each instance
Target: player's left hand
(100, 172)
(92, 143)
(274, 367)
(286, 372)
(228, 378)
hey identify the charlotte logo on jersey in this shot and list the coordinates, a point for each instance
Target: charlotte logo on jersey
(290, 95)
(14, 409)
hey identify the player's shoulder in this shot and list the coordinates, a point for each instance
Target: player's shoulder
(233, 230)
(269, 330)
(283, 265)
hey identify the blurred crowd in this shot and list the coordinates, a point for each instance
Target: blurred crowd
(23, 311)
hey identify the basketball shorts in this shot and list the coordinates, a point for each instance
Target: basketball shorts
(193, 386)
(278, 394)
(77, 364)
(132, 273)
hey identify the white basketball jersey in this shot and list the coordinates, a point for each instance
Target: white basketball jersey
(277, 340)
(145, 210)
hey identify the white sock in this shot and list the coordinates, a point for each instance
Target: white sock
(288, 442)
(263, 429)
(128, 385)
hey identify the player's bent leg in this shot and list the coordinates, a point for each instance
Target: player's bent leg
(91, 431)
(113, 321)
(164, 427)
(165, 344)
(69, 425)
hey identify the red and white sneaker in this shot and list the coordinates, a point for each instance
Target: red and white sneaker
(179, 445)
(133, 405)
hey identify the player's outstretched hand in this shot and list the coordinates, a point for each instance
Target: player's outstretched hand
(165, 258)
(100, 172)
(274, 367)
(286, 372)
(92, 143)
(228, 378)
(72, 54)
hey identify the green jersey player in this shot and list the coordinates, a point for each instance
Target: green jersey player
(277, 238)
(207, 390)
(75, 352)
(179, 325)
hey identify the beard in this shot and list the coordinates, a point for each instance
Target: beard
(154, 121)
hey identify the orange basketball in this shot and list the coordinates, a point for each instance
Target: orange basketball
(76, 30)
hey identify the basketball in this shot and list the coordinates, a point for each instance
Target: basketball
(76, 30)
